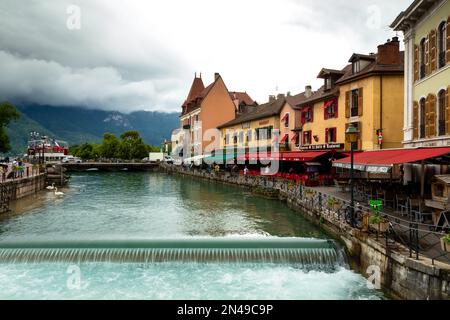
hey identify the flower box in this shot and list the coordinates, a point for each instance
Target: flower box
(445, 245)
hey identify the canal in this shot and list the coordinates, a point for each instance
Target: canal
(98, 206)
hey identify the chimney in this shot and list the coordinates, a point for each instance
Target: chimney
(389, 53)
(271, 98)
(281, 96)
(216, 76)
(308, 91)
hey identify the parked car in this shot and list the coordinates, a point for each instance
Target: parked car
(168, 159)
(71, 159)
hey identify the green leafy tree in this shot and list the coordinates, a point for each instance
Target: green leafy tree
(8, 113)
(132, 146)
(86, 151)
(110, 146)
(74, 150)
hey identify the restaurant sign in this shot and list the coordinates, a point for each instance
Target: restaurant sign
(328, 146)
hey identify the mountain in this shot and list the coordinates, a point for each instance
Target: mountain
(78, 125)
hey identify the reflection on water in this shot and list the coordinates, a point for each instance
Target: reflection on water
(150, 205)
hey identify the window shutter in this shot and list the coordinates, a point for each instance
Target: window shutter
(427, 55)
(360, 102)
(347, 145)
(303, 117)
(327, 131)
(325, 111)
(360, 136)
(416, 63)
(448, 40)
(347, 104)
(415, 120)
(433, 51)
(432, 113)
(447, 111)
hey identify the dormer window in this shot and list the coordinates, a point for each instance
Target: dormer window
(328, 83)
(356, 66)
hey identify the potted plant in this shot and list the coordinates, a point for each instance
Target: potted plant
(309, 193)
(445, 243)
(334, 204)
(378, 223)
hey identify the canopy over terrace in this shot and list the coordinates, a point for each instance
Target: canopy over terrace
(307, 156)
(383, 161)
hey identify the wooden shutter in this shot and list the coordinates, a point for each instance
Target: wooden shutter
(448, 40)
(447, 111)
(415, 120)
(416, 63)
(433, 51)
(327, 131)
(336, 109)
(432, 113)
(360, 140)
(347, 145)
(427, 117)
(325, 111)
(427, 56)
(347, 104)
(360, 102)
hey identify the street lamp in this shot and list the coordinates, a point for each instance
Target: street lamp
(352, 136)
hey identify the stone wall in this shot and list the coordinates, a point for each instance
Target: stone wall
(402, 277)
(20, 188)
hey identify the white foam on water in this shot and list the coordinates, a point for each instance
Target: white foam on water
(181, 281)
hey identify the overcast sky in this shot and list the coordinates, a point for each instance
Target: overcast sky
(142, 54)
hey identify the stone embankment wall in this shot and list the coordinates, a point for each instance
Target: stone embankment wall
(17, 189)
(402, 277)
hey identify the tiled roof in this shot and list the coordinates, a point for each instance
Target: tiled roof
(373, 68)
(318, 95)
(297, 99)
(196, 89)
(263, 111)
(242, 97)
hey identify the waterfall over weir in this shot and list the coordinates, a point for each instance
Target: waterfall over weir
(316, 254)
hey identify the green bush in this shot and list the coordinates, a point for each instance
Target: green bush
(376, 219)
(446, 238)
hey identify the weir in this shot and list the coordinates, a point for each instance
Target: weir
(315, 254)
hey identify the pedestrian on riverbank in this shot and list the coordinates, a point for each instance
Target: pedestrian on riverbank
(245, 171)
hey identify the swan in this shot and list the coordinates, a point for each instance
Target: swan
(58, 193)
(52, 187)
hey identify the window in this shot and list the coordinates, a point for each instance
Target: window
(442, 38)
(264, 133)
(356, 67)
(235, 139)
(331, 109)
(422, 118)
(422, 58)
(439, 190)
(328, 84)
(330, 135)
(354, 103)
(286, 120)
(357, 126)
(297, 140)
(241, 137)
(441, 112)
(307, 115)
(307, 137)
(249, 135)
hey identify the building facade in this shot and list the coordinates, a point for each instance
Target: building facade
(371, 96)
(205, 109)
(426, 25)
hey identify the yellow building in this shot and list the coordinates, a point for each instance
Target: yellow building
(371, 93)
(426, 26)
(254, 130)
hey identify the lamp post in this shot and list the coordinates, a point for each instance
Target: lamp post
(352, 135)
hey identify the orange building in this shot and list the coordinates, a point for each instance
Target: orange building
(207, 108)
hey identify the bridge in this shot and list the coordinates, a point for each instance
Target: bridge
(110, 166)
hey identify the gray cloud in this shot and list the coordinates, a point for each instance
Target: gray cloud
(140, 54)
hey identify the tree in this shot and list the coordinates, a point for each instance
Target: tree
(110, 146)
(86, 151)
(8, 113)
(132, 146)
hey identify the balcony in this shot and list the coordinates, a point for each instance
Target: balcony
(441, 128)
(442, 59)
(187, 127)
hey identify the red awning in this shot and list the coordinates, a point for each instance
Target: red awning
(306, 156)
(285, 117)
(296, 135)
(384, 160)
(285, 138)
(329, 103)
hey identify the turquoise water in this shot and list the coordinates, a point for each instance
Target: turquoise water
(149, 206)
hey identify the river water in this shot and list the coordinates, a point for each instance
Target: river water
(158, 206)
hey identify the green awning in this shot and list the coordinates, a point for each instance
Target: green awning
(225, 158)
